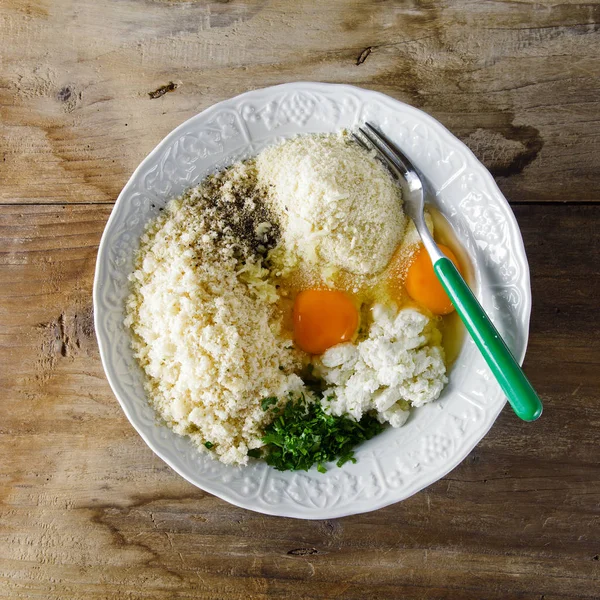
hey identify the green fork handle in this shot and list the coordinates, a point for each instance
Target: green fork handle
(520, 393)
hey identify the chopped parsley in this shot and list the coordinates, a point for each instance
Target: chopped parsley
(209, 445)
(303, 434)
(266, 402)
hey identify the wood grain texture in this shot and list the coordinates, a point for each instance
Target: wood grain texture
(517, 81)
(86, 509)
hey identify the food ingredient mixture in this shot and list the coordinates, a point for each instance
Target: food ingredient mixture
(269, 313)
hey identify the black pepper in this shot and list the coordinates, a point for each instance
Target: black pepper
(242, 211)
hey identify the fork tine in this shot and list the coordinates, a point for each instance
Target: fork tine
(391, 147)
(371, 146)
(359, 141)
(386, 153)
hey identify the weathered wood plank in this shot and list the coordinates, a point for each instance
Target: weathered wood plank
(87, 511)
(516, 80)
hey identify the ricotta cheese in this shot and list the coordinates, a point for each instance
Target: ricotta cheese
(400, 364)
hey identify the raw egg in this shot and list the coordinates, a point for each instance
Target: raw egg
(323, 318)
(424, 287)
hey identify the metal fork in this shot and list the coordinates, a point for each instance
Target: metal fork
(519, 391)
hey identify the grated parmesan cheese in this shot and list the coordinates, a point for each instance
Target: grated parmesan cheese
(339, 206)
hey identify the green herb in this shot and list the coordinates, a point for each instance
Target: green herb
(311, 381)
(344, 459)
(254, 453)
(303, 434)
(209, 445)
(266, 402)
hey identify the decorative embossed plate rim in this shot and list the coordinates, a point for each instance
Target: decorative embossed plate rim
(437, 437)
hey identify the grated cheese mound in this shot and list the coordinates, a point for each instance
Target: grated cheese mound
(339, 206)
(400, 364)
(206, 330)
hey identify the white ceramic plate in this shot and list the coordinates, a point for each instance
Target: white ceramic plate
(437, 437)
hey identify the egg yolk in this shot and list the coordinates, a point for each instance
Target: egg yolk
(323, 318)
(424, 287)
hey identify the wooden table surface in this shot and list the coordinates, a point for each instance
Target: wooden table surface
(86, 509)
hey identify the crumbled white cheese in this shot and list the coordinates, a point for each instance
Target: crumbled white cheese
(400, 364)
(339, 206)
